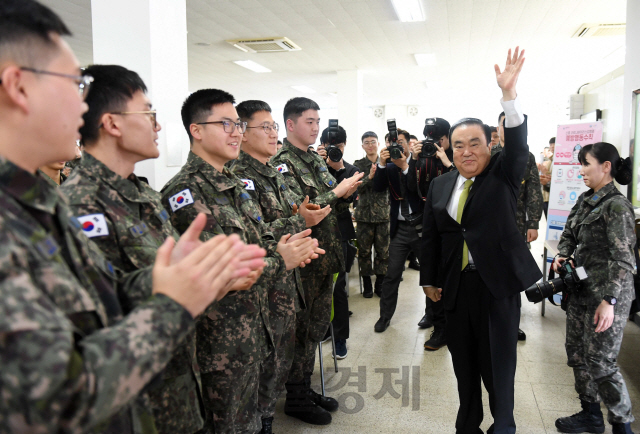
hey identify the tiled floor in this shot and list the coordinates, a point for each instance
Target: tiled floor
(420, 395)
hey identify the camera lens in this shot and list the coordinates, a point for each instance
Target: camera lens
(428, 150)
(334, 154)
(539, 291)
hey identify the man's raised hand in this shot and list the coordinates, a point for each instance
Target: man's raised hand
(508, 78)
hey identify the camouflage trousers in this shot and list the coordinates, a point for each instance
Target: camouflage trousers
(374, 235)
(593, 359)
(311, 324)
(274, 370)
(231, 401)
(176, 405)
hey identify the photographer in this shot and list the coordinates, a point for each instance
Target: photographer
(330, 143)
(599, 234)
(406, 218)
(430, 159)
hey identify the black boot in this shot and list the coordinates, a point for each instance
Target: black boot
(367, 291)
(266, 425)
(300, 405)
(378, 286)
(327, 403)
(621, 428)
(588, 420)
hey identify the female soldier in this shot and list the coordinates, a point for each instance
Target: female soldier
(600, 235)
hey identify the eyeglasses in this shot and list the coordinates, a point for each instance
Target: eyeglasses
(83, 81)
(229, 127)
(151, 113)
(374, 142)
(267, 128)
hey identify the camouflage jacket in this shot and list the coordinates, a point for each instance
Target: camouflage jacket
(373, 206)
(269, 189)
(306, 174)
(136, 226)
(600, 236)
(239, 322)
(529, 207)
(70, 358)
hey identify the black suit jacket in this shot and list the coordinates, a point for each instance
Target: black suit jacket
(390, 178)
(488, 225)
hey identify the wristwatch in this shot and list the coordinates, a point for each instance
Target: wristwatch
(611, 300)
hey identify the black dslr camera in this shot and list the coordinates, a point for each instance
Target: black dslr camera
(434, 129)
(333, 152)
(396, 150)
(569, 281)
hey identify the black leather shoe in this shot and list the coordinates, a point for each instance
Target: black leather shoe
(267, 422)
(299, 404)
(414, 264)
(367, 288)
(588, 420)
(381, 325)
(621, 428)
(325, 402)
(437, 340)
(425, 322)
(521, 335)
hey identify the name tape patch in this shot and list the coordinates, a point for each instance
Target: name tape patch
(94, 225)
(180, 200)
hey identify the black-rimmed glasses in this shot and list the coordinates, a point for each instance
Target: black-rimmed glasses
(83, 81)
(228, 126)
(268, 127)
(151, 113)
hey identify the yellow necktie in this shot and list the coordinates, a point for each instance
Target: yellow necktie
(461, 202)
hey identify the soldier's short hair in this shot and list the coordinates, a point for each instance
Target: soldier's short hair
(199, 105)
(341, 136)
(552, 140)
(246, 109)
(294, 108)
(500, 116)
(25, 32)
(369, 134)
(493, 129)
(113, 86)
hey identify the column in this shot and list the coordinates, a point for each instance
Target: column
(150, 38)
(350, 112)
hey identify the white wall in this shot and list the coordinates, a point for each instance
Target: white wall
(607, 94)
(632, 69)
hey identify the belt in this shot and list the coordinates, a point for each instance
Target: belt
(470, 267)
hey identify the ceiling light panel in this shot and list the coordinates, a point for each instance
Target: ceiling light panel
(250, 64)
(425, 59)
(408, 10)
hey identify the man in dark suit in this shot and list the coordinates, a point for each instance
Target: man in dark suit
(476, 259)
(405, 219)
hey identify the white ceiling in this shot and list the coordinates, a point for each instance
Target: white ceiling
(466, 36)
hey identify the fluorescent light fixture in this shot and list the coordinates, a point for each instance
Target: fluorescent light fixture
(408, 10)
(250, 64)
(303, 89)
(425, 59)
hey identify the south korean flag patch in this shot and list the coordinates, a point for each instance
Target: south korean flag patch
(282, 168)
(180, 200)
(248, 184)
(94, 225)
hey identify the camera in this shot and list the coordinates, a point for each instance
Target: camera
(396, 150)
(333, 139)
(570, 281)
(434, 129)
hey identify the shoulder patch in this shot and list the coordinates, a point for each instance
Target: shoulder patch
(180, 200)
(248, 184)
(322, 169)
(94, 225)
(282, 168)
(304, 170)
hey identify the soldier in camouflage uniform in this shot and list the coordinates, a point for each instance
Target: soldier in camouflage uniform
(306, 174)
(234, 337)
(135, 222)
(69, 357)
(282, 216)
(599, 234)
(372, 216)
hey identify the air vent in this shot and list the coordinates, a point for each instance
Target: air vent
(592, 30)
(264, 45)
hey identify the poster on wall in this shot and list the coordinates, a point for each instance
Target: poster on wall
(566, 182)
